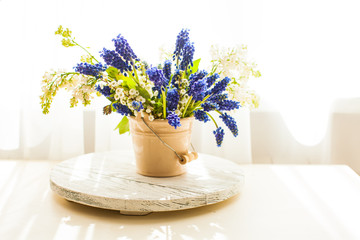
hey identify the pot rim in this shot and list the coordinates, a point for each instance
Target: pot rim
(161, 119)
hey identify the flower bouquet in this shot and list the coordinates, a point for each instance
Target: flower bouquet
(170, 93)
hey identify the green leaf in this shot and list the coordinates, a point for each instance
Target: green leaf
(144, 93)
(112, 72)
(128, 82)
(195, 66)
(123, 125)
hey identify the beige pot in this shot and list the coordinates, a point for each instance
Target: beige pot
(155, 159)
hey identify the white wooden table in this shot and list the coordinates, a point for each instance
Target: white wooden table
(276, 202)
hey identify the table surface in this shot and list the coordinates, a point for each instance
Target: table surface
(277, 202)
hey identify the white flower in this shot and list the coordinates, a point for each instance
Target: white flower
(113, 84)
(132, 92)
(130, 106)
(182, 91)
(47, 76)
(119, 90)
(148, 88)
(151, 118)
(117, 96)
(148, 110)
(140, 99)
(156, 93)
(184, 82)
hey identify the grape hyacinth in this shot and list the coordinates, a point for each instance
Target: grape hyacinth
(105, 90)
(123, 48)
(201, 116)
(137, 106)
(211, 80)
(228, 105)
(122, 109)
(230, 123)
(219, 136)
(208, 106)
(112, 58)
(88, 69)
(173, 120)
(172, 99)
(157, 77)
(167, 69)
(197, 90)
(219, 86)
(188, 55)
(197, 76)
(181, 40)
(176, 78)
(218, 98)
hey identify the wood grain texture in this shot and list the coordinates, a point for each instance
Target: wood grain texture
(109, 180)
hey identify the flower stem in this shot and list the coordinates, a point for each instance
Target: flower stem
(164, 104)
(85, 50)
(218, 112)
(187, 105)
(136, 75)
(212, 120)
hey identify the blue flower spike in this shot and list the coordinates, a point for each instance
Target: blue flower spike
(172, 99)
(201, 116)
(230, 123)
(89, 69)
(219, 136)
(174, 120)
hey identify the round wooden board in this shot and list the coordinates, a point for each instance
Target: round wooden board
(109, 180)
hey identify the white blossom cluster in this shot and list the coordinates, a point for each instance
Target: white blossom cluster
(234, 63)
(80, 86)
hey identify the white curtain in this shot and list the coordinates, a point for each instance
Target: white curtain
(307, 53)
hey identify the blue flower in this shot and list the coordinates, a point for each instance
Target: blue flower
(201, 116)
(173, 120)
(219, 136)
(188, 54)
(157, 77)
(123, 48)
(197, 90)
(219, 86)
(230, 123)
(228, 105)
(197, 76)
(211, 80)
(167, 69)
(176, 78)
(218, 98)
(106, 91)
(181, 40)
(172, 99)
(112, 58)
(208, 106)
(122, 109)
(137, 106)
(89, 69)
